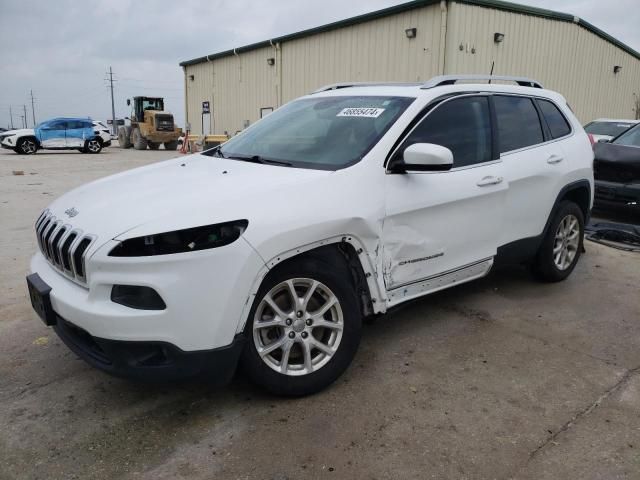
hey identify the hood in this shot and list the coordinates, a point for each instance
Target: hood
(181, 193)
(19, 131)
(616, 163)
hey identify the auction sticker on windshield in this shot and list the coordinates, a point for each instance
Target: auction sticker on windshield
(360, 112)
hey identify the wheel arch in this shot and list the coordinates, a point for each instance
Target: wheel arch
(578, 192)
(347, 249)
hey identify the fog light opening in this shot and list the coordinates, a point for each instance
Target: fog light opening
(138, 297)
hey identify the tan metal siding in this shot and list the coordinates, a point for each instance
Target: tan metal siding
(237, 87)
(377, 50)
(563, 56)
(198, 91)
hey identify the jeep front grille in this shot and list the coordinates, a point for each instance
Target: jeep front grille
(63, 246)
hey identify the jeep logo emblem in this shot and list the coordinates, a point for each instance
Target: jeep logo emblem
(72, 212)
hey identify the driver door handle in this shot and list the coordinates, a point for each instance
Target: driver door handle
(489, 181)
(554, 159)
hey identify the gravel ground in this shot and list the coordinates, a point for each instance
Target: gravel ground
(498, 378)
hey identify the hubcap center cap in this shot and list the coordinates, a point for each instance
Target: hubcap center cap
(298, 325)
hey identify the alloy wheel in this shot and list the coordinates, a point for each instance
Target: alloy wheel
(298, 326)
(566, 243)
(93, 146)
(28, 147)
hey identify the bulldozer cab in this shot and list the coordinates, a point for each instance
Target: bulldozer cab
(142, 104)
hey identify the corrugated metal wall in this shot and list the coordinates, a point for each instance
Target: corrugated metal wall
(236, 87)
(563, 56)
(374, 51)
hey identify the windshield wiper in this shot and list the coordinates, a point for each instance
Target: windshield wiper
(215, 152)
(259, 159)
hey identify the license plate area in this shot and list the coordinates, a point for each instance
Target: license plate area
(40, 299)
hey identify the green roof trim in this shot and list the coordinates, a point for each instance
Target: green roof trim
(403, 7)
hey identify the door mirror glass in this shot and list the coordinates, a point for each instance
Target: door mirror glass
(427, 157)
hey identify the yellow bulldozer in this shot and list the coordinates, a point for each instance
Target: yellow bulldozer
(150, 126)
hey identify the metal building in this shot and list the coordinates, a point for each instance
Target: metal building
(414, 41)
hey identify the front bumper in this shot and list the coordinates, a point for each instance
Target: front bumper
(106, 143)
(151, 361)
(617, 194)
(205, 294)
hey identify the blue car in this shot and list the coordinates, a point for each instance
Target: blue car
(56, 134)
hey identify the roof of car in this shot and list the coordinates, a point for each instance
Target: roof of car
(418, 90)
(69, 118)
(615, 120)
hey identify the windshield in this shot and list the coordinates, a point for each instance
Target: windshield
(612, 129)
(630, 138)
(324, 133)
(152, 104)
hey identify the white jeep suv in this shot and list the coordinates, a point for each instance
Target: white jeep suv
(270, 249)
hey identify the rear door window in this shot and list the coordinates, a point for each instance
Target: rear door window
(518, 123)
(558, 125)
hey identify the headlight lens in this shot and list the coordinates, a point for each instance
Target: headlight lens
(179, 241)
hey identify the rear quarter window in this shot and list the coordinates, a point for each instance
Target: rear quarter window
(518, 123)
(557, 123)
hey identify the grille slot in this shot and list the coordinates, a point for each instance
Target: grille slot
(78, 257)
(65, 251)
(62, 246)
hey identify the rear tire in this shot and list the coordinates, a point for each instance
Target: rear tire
(302, 349)
(27, 146)
(561, 247)
(171, 145)
(124, 137)
(139, 142)
(153, 145)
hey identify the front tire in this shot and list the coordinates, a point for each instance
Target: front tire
(27, 146)
(562, 244)
(303, 329)
(139, 142)
(171, 145)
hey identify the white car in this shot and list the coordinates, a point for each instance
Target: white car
(271, 248)
(61, 133)
(608, 128)
(104, 131)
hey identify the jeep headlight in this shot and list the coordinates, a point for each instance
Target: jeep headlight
(180, 241)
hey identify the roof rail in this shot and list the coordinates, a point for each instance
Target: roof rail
(451, 79)
(337, 86)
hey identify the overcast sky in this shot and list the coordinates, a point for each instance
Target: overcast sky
(62, 49)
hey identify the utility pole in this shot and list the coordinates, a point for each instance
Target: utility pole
(11, 115)
(33, 110)
(25, 115)
(114, 124)
(22, 120)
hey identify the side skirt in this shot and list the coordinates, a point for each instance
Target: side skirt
(439, 282)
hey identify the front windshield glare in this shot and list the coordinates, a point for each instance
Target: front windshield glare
(631, 137)
(324, 133)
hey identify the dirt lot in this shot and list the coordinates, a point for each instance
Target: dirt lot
(500, 378)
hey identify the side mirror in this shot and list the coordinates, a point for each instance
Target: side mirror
(603, 140)
(128, 102)
(426, 157)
